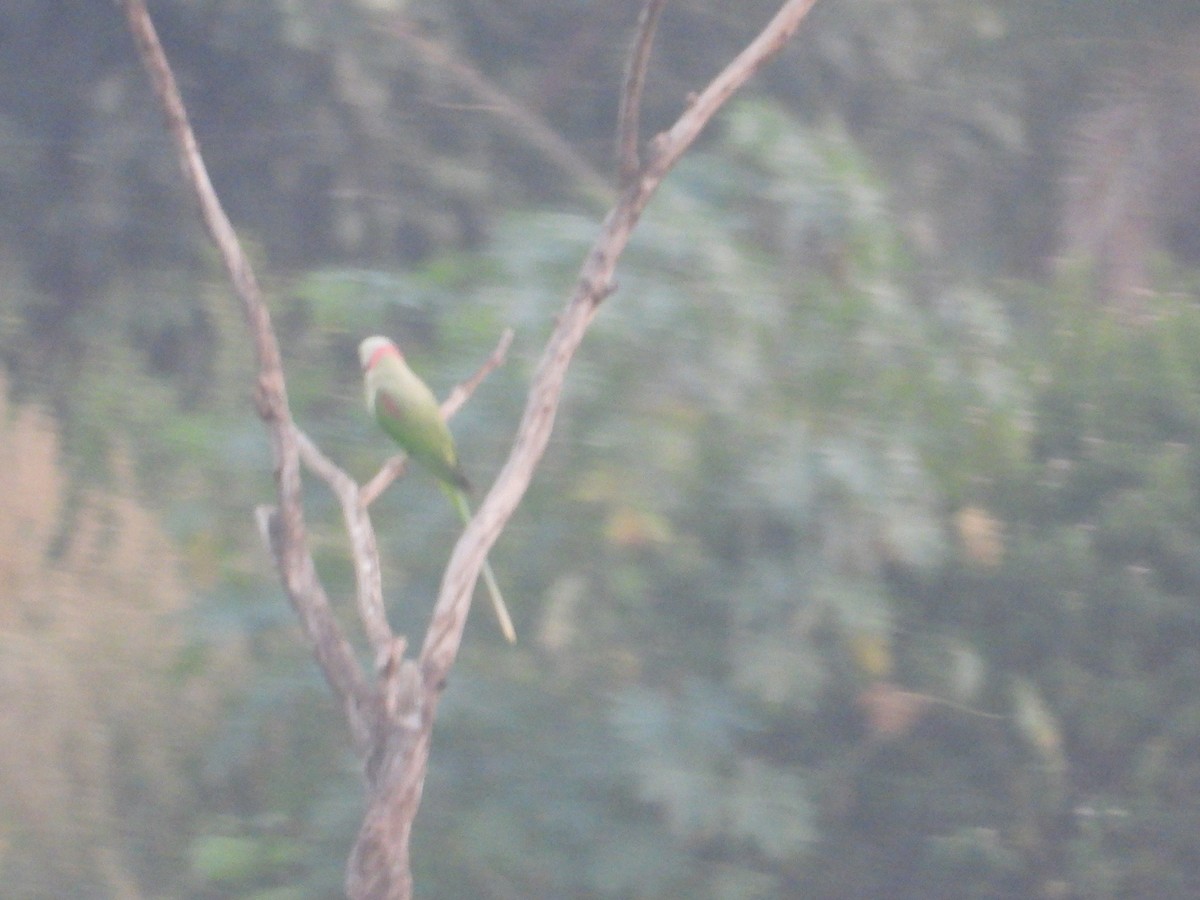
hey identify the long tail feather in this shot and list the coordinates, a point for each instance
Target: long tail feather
(489, 577)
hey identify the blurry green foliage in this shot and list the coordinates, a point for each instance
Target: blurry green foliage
(802, 497)
(750, 438)
(332, 138)
(783, 473)
(800, 524)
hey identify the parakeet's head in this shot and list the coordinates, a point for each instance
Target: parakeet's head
(373, 349)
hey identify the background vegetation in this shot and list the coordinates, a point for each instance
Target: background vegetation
(865, 561)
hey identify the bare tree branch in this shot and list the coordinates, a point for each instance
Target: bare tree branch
(673, 143)
(392, 721)
(595, 283)
(333, 652)
(629, 117)
(367, 579)
(389, 472)
(458, 397)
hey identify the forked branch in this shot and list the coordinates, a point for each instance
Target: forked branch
(594, 284)
(391, 718)
(629, 117)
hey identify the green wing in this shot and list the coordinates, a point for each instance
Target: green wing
(407, 410)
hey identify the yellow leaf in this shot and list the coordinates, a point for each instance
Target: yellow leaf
(629, 527)
(981, 536)
(872, 651)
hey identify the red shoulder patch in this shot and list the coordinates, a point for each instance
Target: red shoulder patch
(389, 405)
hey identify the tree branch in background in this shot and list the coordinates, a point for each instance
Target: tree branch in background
(629, 116)
(522, 122)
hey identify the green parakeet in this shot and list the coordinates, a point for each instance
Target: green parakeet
(406, 409)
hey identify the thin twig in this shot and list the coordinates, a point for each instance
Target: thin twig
(628, 118)
(367, 578)
(672, 144)
(461, 393)
(392, 469)
(594, 284)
